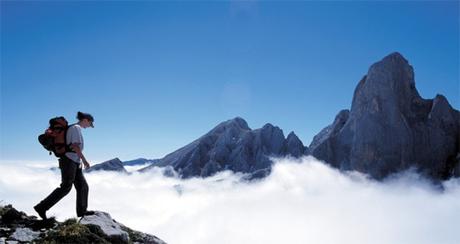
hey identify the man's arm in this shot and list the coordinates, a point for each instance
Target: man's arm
(76, 148)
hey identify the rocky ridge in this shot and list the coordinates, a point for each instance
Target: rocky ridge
(17, 227)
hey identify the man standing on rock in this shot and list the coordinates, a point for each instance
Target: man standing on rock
(71, 170)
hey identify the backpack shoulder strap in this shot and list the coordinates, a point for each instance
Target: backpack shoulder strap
(67, 145)
(71, 125)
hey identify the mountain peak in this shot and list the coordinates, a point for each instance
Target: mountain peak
(392, 62)
(240, 122)
(391, 127)
(114, 164)
(388, 83)
(116, 160)
(294, 145)
(236, 122)
(232, 145)
(291, 135)
(393, 67)
(269, 126)
(394, 56)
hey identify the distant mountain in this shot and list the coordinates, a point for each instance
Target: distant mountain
(391, 128)
(110, 165)
(139, 161)
(388, 129)
(234, 146)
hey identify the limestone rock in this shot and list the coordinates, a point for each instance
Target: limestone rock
(390, 128)
(232, 145)
(25, 235)
(109, 226)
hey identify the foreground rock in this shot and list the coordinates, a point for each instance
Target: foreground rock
(232, 145)
(109, 226)
(117, 232)
(16, 226)
(390, 128)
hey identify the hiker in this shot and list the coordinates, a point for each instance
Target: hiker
(70, 164)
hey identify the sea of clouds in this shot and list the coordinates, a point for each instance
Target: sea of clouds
(302, 201)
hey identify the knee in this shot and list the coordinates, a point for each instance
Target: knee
(85, 186)
(66, 186)
(82, 186)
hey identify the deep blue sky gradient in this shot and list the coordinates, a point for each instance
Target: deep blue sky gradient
(157, 75)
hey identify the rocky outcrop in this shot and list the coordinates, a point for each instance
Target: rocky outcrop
(109, 226)
(390, 128)
(16, 226)
(24, 234)
(109, 165)
(232, 145)
(117, 232)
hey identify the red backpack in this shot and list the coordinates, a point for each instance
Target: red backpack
(54, 138)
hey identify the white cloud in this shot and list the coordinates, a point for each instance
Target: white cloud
(302, 201)
(136, 167)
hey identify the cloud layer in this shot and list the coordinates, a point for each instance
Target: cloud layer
(302, 201)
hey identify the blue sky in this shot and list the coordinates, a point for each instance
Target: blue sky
(157, 75)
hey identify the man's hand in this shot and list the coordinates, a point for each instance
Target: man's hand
(86, 164)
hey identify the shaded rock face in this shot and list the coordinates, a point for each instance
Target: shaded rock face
(390, 128)
(234, 146)
(457, 166)
(139, 161)
(110, 165)
(17, 226)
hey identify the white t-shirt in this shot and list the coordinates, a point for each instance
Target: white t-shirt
(74, 136)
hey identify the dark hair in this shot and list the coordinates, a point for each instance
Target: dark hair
(80, 115)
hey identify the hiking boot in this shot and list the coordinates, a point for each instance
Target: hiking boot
(41, 212)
